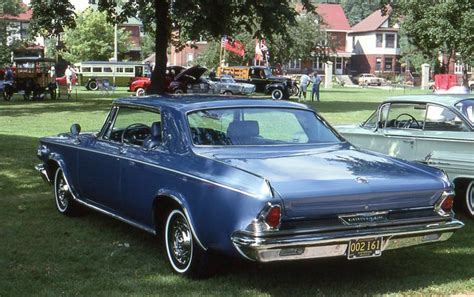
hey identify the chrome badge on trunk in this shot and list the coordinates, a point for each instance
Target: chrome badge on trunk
(364, 218)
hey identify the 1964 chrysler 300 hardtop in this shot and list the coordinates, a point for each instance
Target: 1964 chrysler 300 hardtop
(259, 179)
(436, 130)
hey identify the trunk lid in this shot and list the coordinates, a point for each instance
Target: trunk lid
(325, 182)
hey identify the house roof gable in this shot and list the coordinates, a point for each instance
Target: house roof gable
(371, 23)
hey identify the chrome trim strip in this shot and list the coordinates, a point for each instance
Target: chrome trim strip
(147, 229)
(160, 167)
(253, 246)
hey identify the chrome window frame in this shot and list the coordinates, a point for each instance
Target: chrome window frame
(111, 122)
(323, 121)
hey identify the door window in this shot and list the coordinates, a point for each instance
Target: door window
(133, 126)
(439, 118)
(406, 116)
(375, 121)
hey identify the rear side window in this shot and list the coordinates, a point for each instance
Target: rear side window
(258, 126)
(439, 118)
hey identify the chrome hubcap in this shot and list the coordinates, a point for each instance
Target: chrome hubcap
(180, 241)
(62, 193)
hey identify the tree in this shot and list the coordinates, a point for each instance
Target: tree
(195, 19)
(92, 38)
(211, 56)
(7, 8)
(439, 26)
(356, 11)
(51, 17)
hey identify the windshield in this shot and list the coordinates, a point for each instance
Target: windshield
(466, 107)
(258, 126)
(268, 72)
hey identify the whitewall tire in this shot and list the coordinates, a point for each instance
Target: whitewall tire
(469, 199)
(185, 255)
(65, 203)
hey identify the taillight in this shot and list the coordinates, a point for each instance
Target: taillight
(447, 204)
(273, 216)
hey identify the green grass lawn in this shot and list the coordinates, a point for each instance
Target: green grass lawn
(44, 253)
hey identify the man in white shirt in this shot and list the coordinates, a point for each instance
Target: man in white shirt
(304, 81)
(69, 79)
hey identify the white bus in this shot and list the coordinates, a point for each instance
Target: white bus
(90, 72)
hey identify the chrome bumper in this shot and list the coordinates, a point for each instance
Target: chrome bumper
(44, 174)
(320, 245)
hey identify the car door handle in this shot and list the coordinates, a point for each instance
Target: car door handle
(409, 141)
(122, 150)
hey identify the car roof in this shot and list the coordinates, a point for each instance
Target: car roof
(185, 103)
(447, 100)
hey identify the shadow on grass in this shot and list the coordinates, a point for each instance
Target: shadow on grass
(18, 109)
(17, 161)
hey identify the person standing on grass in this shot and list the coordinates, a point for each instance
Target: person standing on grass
(316, 80)
(8, 74)
(304, 81)
(69, 80)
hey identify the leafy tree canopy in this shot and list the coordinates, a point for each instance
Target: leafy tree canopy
(7, 7)
(356, 11)
(92, 38)
(51, 17)
(439, 26)
(195, 19)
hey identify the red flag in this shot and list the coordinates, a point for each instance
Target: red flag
(233, 45)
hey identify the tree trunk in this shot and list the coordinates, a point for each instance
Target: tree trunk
(465, 77)
(161, 44)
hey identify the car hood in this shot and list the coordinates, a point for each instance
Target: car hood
(195, 72)
(340, 179)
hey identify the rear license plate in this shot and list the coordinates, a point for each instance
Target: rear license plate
(364, 248)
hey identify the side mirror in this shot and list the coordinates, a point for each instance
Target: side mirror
(75, 130)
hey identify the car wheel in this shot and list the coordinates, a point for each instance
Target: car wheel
(277, 94)
(228, 93)
(185, 256)
(469, 199)
(65, 203)
(6, 95)
(178, 91)
(140, 92)
(295, 90)
(92, 85)
(52, 94)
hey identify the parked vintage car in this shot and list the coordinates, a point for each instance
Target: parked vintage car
(210, 174)
(31, 77)
(436, 130)
(369, 79)
(279, 87)
(190, 81)
(227, 85)
(140, 85)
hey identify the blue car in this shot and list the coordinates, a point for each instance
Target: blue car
(264, 180)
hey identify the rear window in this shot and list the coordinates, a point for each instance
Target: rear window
(258, 126)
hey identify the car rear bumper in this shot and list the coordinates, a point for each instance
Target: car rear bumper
(331, 244)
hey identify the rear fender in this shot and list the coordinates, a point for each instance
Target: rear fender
(179, 199)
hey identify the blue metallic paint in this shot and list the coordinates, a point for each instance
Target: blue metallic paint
(224, 189)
